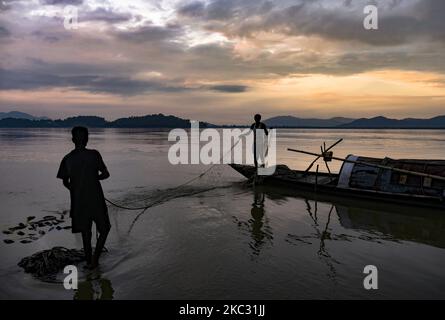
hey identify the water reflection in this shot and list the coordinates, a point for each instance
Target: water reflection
(258, 226)
(256, 223)
(322, 232)
(409, 224)
(370, 221)
(375, 221)
(94, 288)
(323, 254)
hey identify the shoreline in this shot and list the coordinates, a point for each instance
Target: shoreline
(222, 127)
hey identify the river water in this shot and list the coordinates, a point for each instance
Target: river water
(219, 238)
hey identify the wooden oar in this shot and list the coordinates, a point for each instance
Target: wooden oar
(319, 156)
(415, 173)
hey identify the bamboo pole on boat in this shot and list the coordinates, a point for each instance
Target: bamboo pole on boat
(318, 156)
(316, 179)
(415, 173)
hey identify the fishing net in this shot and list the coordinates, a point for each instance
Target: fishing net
(45, 265)
(146, 198)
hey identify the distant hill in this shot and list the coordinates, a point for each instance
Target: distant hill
(149, 121)
(23, 120)
(20, 115)
(294, 122)
(408, 123)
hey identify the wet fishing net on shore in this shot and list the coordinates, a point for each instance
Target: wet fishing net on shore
(45, 265)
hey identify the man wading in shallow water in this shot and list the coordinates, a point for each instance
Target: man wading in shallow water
(81, 171)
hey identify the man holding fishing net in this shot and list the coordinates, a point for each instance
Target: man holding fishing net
(81, 171)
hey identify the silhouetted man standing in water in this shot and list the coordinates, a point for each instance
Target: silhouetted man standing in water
(81, 171)
(258, 142)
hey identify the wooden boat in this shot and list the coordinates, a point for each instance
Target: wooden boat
(368, 178)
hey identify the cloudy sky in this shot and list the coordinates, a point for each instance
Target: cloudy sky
(223, 60)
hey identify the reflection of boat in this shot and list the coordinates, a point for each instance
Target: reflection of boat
(418, 228)
(403, 223)
(373, 181)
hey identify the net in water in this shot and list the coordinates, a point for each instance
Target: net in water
(46, 264)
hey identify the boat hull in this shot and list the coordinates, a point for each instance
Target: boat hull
(317, 183)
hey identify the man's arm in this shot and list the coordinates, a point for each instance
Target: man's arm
(63, 174)
(104, 174)
(66, 183)
(265, 130)
(247, 131)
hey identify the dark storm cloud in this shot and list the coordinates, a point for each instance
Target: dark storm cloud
(4, 32)
(7, 4)
(220, 9)
(123, 86)
(4, 6)
(107, 15)
(13, 79)
(31, 80)
(229, 88)
(303, 19)
(27, 80)
(399, 22)
(355, 63)
(223, 10)
(433, 15)
(425, 19)
(150, 33)
(193, 9)
(337, 25)
(411, 35)
(72, 68)
(215, 10)
(61, 2)
(47, 37)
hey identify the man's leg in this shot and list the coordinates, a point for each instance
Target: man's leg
(255, 154)
(261, 154)
(100, 244)
(86, 239)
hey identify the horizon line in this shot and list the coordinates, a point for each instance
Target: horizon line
(206, 121)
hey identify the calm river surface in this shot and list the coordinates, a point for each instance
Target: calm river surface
(218, 238)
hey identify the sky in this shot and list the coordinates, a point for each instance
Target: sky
(222, 61)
